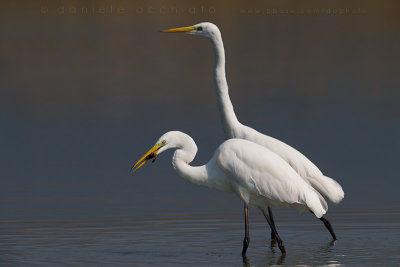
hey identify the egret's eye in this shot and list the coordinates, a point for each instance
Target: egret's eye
(199, 29)
(163, 142)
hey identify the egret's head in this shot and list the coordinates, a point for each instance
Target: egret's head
(166, 141)
(205, 29)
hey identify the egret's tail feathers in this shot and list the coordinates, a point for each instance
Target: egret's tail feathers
(327, 187)
(317, 204)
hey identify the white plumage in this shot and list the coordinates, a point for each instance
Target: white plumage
(326, 186)
(255, 174)
(261, 178)
(260, 170)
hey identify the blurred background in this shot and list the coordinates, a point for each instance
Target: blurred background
(87, 87)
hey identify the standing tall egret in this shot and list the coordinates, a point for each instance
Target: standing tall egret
(255, 174)
(326, 186)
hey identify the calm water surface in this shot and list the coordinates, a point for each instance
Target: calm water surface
(208, 240)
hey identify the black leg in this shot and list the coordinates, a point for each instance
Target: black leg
(329, 227)
(246, 262)
(272, 221)
(246, 240)
(278, 239)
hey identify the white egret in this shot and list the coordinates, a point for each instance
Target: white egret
(258, 176)
(326, 186)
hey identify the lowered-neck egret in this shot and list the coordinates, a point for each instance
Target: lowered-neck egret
(258, 176)
(326, 186)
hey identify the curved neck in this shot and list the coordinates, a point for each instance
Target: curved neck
(228, 117)
(185, 154)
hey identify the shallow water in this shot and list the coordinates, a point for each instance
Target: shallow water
(209, 240)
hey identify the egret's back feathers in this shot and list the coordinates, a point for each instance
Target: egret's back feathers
(261, 177)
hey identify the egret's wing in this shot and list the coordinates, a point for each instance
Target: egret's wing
(255, 170)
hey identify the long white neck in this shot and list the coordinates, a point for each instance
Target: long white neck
(228, 117)
(185, 153)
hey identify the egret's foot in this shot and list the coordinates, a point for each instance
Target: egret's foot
(246, 262)
(246, 242)
(329, 227)
(281, 247)
(281, 260)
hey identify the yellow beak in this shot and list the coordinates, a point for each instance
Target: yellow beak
(182, 29)
(152, 153)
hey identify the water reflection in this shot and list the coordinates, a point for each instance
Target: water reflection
(206, 242)
(270, 260)
(323, 255)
